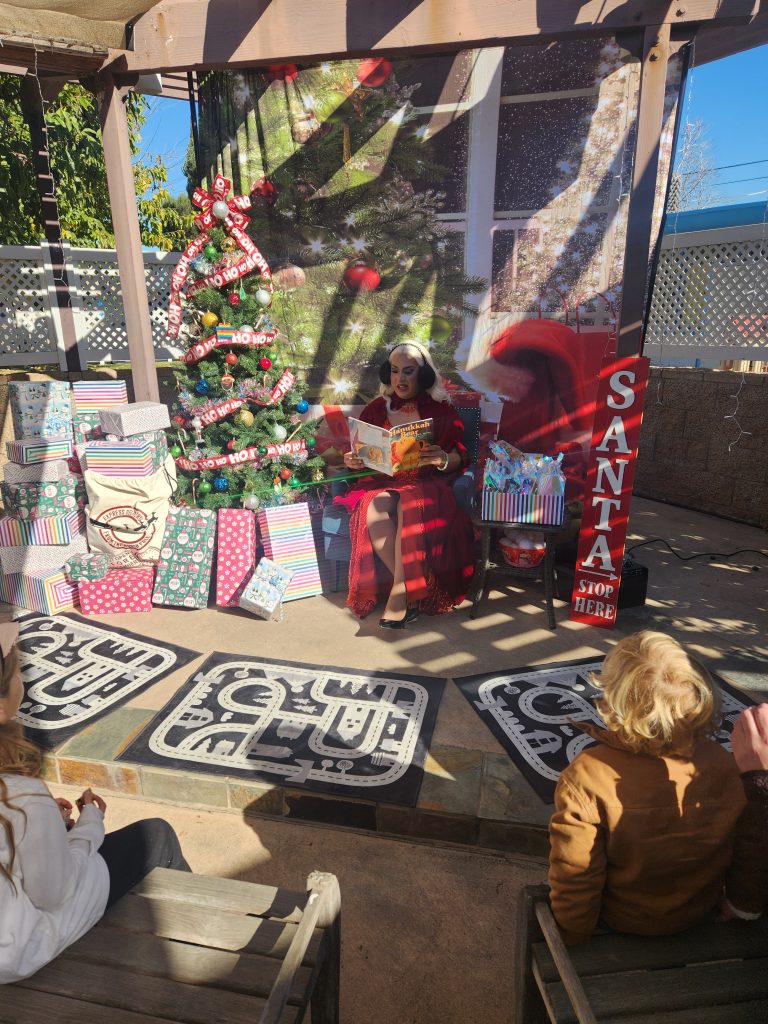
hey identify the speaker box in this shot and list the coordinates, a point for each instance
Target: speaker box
(634, 581)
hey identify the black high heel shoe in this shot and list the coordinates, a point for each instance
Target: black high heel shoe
(412, 613)
(394, 623)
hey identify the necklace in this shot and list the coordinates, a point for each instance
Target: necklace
(408, 406)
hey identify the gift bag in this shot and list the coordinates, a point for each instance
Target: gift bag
(126, 516)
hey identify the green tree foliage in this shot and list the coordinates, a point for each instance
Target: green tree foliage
(77, 162)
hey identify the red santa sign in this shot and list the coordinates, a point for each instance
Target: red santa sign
(608, 492)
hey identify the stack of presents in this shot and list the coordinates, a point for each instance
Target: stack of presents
(90, 521)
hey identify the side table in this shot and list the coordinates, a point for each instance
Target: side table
(545, 570)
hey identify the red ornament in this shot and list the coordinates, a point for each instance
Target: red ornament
(265, 362)
(264, 192)
(232, 444)
(179, 420)
(231, 359)
(234, 299)
(362, 278)
(281, 72)
(227, 381)
(374, 71)
(285, 473)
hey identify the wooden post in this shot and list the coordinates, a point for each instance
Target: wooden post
(325, 997)
(71, 357)
(125, 222)
(650, 116)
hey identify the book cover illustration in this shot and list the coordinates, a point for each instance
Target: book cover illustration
(390, 451)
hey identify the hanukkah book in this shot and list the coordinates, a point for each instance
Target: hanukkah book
(390, 451)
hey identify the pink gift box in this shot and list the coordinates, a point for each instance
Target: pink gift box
(235, 554)
(121, 590)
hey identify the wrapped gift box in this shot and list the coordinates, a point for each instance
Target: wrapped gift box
(21, 558)
(184, 570)
(120, 591)
(38, 449)
(89, 567)
(544, 509)
(235, 554)
(44, 592)
(264, 592)
(132, 457)
(286, 532)
(86, 426)
(94, 395)
(46, 498)
(17, 473)
(50, 530)
(40, 408)
(135, 418)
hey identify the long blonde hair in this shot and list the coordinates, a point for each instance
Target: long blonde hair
(18, 756)
(656, 698)
(418, 352)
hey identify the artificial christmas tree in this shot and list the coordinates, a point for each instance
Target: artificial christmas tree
(239, 429)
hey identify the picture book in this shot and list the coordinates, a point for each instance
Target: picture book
(390, 451)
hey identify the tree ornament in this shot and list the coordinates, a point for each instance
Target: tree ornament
(179, 420)
(230, 358)
(285, 473)
(281, 72)
(232, 444)
(317, 475)
(234, 299)
(310, 442)
(262, 450)
(263, 296)
(439, 328)
(197, 423)
(220, 210)
(209, 319)
(252, 502)
(265, 362)
(246, 417)
(360, 277)
(264, 192)
(289, 276)
(374, 71)
(175, 450)
(227, 381)
(228, 245)
(334, 107)
(210, 250)
(302, 406)
(202, 387)
(243, 327)
(304, 128)
(279, 432)
(205, 487)
(220, 484)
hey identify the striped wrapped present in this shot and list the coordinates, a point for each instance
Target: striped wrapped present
(94, 395)
(49, 530)
(29, 450)
(286, 532)
(43, 558)
(43, 592)
(543, 509)
(132, 457)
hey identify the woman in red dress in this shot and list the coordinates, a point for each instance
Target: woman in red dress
(410, 524)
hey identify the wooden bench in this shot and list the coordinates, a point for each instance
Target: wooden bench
(714, 974)
(193, 949)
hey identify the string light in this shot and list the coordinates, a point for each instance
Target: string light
(733, 416)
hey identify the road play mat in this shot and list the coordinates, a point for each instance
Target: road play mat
(530, 710)
(75, 671)
(333, 730)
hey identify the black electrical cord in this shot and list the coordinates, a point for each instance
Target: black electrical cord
(713, 556)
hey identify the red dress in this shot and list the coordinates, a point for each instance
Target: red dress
(436, 544)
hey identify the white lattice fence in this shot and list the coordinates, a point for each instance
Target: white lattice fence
(710, 297)
(26, 330)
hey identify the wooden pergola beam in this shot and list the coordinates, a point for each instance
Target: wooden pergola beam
(190, 34)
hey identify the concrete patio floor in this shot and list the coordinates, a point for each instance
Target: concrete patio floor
(428, 924)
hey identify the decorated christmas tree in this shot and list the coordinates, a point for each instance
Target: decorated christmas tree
(346, 193)
(241, 436)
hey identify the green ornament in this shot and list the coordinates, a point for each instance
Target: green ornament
(262, 450)
(311, 442)
(205, 487)
(210, 251)
(439, 328)
(335, 107)
(175, 450)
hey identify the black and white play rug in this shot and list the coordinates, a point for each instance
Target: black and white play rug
(529, 711)
(76, 671)
(333, 730)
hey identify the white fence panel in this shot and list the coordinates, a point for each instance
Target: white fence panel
(27, 334)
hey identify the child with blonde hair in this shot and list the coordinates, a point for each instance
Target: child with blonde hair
(57, 876)
(643, 831)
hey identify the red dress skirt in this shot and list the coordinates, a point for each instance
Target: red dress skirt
(436, 539)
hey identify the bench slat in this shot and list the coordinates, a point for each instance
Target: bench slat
(25, 1006)
(219, 929)
(675, 989)
(611, 953)
(155, 997)
(144, 954)
(736, 1013)
(224, 893)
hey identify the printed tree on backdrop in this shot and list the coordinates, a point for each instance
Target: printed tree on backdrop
(241, 435)
(361, 259)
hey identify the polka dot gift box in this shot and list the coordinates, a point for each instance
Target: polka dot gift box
(121, 590)
(235, 554)
(184, 570)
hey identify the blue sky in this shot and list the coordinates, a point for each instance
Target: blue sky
(729, 96)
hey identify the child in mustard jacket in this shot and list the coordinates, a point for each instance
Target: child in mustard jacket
(643, 831)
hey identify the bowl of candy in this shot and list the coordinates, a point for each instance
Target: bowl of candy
(521, 550)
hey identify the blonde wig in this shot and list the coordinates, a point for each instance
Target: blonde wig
(656, 698)
(418, 352)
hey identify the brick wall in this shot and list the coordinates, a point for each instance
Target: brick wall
(684, 457)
